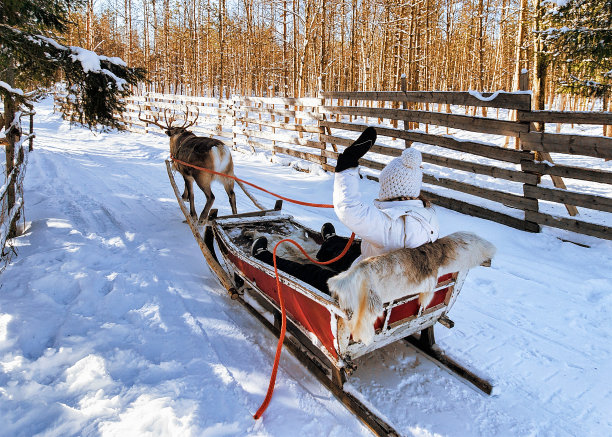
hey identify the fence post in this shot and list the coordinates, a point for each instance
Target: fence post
(607, 129)
(530, 225)
(147, 107)
(406, 125)
(272, 117)
(320, 116)
(31, 142)
(543, 155)
(11, 135)
(219, 109)
(234, 123)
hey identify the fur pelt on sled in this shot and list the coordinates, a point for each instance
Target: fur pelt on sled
(287, 250)
(362, 289)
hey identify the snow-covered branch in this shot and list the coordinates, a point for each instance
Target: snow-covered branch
(11, 90)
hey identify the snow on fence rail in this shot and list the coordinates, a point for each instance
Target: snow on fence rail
(487, 180)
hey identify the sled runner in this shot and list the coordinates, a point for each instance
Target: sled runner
(320, 330)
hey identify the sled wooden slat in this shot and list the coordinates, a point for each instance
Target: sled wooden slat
(451, 364)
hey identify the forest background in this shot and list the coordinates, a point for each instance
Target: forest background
(283, 47)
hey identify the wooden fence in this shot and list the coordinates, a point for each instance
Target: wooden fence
(507, 185)
(11, 202)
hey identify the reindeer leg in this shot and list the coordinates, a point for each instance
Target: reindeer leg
(189, 190)
(210, 198)
(188, 186)
(229, 189)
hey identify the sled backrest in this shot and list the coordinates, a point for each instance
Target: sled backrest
(402, 310)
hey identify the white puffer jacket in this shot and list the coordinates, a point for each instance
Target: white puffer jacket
(383, 226)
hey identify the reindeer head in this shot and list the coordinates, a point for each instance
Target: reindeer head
(168, 127)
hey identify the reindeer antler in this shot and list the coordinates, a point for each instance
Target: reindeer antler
(170, 120)
(156, 121)
(188, 123)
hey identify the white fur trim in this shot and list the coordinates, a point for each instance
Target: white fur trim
(362, 289)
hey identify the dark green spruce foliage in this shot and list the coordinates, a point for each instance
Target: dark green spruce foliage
(35, 58)
(579, 39)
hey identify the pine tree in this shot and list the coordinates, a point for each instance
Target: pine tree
(31, 56)
(579, 39)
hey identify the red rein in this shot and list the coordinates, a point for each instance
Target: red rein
(281, 338)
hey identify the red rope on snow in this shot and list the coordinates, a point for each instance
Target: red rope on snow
(281, 337)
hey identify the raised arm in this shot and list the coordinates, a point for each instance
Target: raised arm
(365, 220)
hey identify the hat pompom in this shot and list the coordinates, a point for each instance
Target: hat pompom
(412, 158)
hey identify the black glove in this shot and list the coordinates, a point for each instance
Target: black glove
(350, 157)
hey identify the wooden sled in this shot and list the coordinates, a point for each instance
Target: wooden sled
(315, 314)
(314, 318)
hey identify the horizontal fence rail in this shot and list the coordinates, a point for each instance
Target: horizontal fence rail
(506, 185)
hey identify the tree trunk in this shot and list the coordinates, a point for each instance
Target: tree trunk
(540, 63)
(285, 53)
(221, 46)
(520, 61)
(323, 56)
(353, 46)
(607, 129)
(89, 25)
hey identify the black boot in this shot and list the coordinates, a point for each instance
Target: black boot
(259, 245)
(327, 231)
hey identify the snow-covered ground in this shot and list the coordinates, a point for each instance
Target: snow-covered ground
(112, 324)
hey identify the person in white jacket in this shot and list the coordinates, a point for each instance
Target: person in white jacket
(399, 218)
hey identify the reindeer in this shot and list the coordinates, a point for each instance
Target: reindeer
(202, 152)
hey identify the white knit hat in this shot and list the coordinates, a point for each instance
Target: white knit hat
(402, 177)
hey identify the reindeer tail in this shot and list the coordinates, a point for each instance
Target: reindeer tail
(250, 196)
